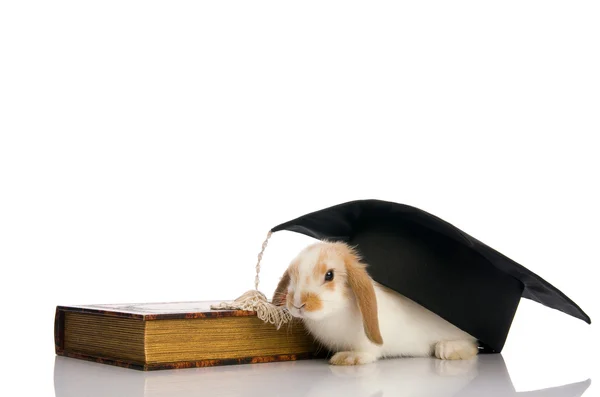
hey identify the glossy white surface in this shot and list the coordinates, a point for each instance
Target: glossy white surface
(485, 376)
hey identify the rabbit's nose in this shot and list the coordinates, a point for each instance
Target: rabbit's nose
(297, 301)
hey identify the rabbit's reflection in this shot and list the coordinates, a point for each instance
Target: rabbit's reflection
(418, 377)
(485, 375)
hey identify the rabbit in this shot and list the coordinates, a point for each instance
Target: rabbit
(328, 287)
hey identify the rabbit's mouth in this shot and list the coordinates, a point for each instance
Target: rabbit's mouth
(297, 311)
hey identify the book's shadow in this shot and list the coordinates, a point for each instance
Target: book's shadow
(486, 375)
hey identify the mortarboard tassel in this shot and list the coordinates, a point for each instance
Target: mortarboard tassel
(256, 301)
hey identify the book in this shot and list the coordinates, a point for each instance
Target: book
(154, 336)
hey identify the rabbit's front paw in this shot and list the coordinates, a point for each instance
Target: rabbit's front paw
(352, 358)
(455, 350)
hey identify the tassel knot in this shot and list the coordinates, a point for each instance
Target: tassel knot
(256, 301)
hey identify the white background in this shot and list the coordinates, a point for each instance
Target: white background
(147, 147)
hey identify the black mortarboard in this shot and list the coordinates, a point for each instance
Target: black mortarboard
(435, 264)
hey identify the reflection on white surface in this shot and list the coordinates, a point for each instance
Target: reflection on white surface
(485, 376)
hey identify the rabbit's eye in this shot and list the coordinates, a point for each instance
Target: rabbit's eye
(329, 275)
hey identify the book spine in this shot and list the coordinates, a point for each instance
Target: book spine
(59, 331)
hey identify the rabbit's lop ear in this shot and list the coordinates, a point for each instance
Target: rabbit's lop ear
(362, 287)
(281, 291)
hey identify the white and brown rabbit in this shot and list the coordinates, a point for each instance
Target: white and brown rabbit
(329, 288)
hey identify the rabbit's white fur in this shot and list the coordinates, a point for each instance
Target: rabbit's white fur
(333, 314)
(407, 329)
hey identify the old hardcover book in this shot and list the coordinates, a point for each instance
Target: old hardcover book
(151, 336)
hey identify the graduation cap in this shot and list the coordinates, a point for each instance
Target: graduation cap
(435, 264)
